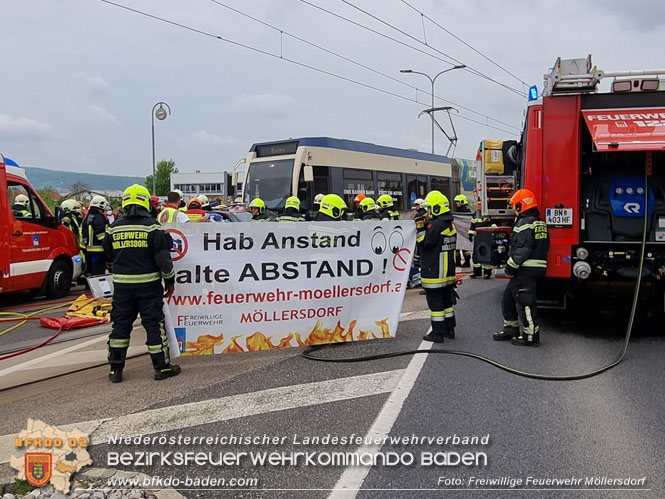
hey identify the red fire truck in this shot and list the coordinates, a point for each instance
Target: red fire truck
(586, 154)
(36, 253)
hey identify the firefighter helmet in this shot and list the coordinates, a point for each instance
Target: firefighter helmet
(419, 202)
(292, 202)
(101, 202)
(258, 204)
(318, 198)
(461, 199)
(367, 205)
(179, 192)
(194, 204)
(333, 206)
(358, 199)
(437, 203)
(134, 194)
(154, 201)
(69, 206)
(203, 199)
(22, 199)
(523, 199)
(385, 201)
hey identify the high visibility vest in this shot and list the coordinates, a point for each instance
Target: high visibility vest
(168, 215)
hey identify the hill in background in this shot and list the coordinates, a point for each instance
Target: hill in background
(60, 181)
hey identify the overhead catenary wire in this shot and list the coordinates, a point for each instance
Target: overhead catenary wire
(292, 61)
(467, 68)
(364, 66)
(459, 39)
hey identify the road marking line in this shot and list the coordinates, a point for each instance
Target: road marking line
(353, 476)
(57, 353)
(180, 417)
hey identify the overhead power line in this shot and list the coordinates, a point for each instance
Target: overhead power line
(423, 15)
(468, 68)
(283, 32)
(281, 57)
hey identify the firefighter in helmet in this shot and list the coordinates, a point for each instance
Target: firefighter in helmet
(477, 221)
(93, 231)
(437, 261)
(462, 206)
(258, 209)
(386, 207)
(311, 214)
(195, 211)
(141, 254)
(368, 208)
(357, 211)
(291, 211)
(21, 206)
(332, 208)
(527, 262)
(71, 216)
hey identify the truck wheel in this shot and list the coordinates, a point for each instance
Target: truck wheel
(59, 280)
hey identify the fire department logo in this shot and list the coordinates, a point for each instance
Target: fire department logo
(38, 468)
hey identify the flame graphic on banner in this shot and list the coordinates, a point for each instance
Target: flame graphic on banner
(205, 345)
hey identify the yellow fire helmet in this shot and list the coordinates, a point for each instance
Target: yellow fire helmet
(69, 205)
(292, 202)
(461, 199)
(385, 201)
(333, 206)
(367, 205)
(21, 199)
(258, 203)
(136, 194)
(437, 203)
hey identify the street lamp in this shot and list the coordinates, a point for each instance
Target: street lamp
(160, 113)
(432, 80)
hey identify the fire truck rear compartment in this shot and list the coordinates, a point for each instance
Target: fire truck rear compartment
(612, 207)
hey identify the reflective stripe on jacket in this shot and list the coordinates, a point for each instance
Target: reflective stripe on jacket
(529, 244)
(438, 243)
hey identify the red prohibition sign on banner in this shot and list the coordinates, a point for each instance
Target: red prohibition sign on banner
(400, 259)
(180, 244)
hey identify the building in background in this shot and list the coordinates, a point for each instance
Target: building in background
(215, 185)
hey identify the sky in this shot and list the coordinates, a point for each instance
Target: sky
(80, 77)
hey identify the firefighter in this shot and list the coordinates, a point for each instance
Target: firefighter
(332, 208)
(311, 214)
(368, 208)
(171, 213)
(438, 266)
(387, 209)
(195, 212)
(155, 206)
(71, 217)
(258, 209)
(140, 251)
(527, 261)
(358, 213)
(21, 206)
(478, 220)
(462, 206)
(291, 211)
(93, 231)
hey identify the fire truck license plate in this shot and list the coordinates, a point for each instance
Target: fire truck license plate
(559, 216)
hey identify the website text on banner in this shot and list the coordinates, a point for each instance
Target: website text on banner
(243, 287)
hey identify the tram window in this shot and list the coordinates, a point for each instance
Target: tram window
(442, 185)
(391, 183)
(357, 182)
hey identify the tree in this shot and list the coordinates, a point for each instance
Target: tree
(77, 188)
(163, 175)
(46, 194)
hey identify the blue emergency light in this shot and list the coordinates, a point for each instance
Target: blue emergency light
(533, 93)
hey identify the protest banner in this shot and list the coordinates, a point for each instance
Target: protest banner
(243, 287)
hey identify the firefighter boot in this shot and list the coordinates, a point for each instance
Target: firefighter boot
(449, 333)
(527, 340)
(167, 372)
(507, 333)
(434, 337)
(477, 271)
(487, 273)
(115, 376)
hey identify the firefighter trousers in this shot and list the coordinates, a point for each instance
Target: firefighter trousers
(128, 301)
(95, 263)
(440, 302)
(518, 304)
